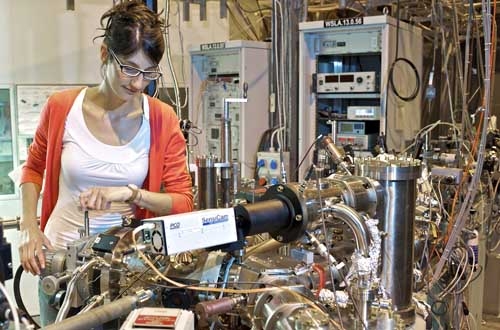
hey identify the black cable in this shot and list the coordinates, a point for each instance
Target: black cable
(199, 285)
(2, 271)
(413, 95)
(398, 11)
(307, 153)
(137, 278)
(19, 298)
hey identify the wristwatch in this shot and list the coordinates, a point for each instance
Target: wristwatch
(135, 192)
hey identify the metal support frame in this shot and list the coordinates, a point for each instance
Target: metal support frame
(153, 5)
(203, 9)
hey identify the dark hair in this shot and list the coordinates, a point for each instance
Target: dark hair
(131, 26)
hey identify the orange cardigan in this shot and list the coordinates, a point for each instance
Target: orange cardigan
(167, 160)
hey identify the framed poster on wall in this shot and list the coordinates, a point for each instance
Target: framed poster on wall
(30, 100)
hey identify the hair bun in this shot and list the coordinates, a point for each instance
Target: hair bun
(131, 26)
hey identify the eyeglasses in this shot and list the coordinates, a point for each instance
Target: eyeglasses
(131, 71)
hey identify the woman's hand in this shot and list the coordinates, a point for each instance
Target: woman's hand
(31, 248)
(100, 198)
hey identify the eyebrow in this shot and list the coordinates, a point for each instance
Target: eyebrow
(134, 65)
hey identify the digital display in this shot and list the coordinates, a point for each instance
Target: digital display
(332, 79)
(365, 112)
(351, 127)
(346, 78)
(359, 126)
(346, 127)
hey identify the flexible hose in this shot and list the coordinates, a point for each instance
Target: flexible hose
(19, 298)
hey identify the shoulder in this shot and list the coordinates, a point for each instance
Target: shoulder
(159, 107)
(64, 97)
(161, 112)
(58, 104)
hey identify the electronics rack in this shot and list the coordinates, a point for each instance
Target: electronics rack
(344, 75)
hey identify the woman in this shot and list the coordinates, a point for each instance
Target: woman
(98, 145)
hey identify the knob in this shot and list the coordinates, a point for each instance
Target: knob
(50, 285)
(273, 164)
(359, 80)
(274, 181)
(261, 163)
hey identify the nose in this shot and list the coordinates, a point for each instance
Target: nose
(138, 83)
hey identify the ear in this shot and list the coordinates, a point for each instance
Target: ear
(104, 53)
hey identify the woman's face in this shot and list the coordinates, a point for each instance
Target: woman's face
(122, 84)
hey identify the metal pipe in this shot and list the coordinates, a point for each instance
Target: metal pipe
(86, 223)
(10, 223)
(226, 183)
(207, 182)
(397, 215)
(227, 147)
(102, 314)
(357, 224)
(265, 246)
(226, 134)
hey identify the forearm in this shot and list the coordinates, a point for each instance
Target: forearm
(30, 193)
(159, 203)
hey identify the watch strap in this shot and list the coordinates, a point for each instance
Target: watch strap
(132, 197)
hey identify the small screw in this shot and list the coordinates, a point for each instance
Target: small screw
(298, 217)
(279, 238)
(280, 188)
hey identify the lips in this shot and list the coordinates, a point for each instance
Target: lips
(131, 91)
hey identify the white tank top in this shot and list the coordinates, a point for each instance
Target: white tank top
(87, 162)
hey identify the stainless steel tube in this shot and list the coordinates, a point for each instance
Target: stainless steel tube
(207, 182)
(226, 185)
(398, 177)
(226, 144)
(357, 224)
(226, 148)
(263, 247)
